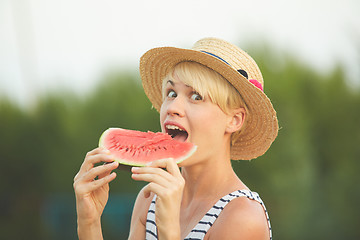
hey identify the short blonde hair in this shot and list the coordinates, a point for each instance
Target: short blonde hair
(208, 82)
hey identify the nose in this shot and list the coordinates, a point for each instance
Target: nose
(175, 107)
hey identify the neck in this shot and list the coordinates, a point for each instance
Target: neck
(208, 178)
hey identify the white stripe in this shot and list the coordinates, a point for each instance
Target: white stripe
(150, 227)
(200, 230)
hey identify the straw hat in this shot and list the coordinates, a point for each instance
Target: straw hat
(234, 65)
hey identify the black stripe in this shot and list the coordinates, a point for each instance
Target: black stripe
(242, 193)
(151, 221)
(202, 222)
(233, 195)
(224, 200)
(192, 239)
(252, 196)
(151, 211)
(153, 201)
(199, 231)
(211, 215)
(148, 231)
(216, 207)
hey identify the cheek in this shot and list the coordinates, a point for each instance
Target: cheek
(211, 122)
(162, 115)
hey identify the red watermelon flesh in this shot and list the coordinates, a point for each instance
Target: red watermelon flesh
(136, 148)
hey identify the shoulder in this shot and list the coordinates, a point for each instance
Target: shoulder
(139, 214)
(142, 205)
(242, 218)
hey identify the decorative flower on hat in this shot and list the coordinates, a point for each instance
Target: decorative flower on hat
(257, 84)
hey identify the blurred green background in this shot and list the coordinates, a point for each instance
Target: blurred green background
(308, 179)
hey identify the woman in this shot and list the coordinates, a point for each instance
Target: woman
(210, 95)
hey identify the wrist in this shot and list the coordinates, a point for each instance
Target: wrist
(89, 229)
(169, 233)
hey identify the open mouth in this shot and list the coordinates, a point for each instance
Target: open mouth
(176, 132)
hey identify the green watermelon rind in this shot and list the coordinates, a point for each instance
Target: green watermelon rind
(135, 164)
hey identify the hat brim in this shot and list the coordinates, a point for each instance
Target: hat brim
(261, 121)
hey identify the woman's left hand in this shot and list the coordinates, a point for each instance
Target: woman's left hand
(166, 181)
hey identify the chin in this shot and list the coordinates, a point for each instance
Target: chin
(192, 160)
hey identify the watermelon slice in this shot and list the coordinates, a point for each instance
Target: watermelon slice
(135, 148)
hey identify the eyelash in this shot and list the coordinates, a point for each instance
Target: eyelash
(196, 93)
(169, 91)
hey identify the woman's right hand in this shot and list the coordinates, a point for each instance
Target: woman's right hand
(91, 186)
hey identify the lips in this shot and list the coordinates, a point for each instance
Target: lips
(176, 131)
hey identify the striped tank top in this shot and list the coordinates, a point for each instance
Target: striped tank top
(199, 231)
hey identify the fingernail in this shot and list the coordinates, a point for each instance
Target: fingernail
(114, 163)
(134, 169)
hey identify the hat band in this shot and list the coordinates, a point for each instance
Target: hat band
(241, 71)
(216, 57)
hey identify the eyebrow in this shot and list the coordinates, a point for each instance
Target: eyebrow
(173, 83)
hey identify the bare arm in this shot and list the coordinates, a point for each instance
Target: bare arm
(91, 193)
(242, 218)
(139, 215)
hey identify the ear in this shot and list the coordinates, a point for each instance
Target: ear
(236, 120)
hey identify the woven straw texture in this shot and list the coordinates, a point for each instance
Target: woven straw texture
(261, 121)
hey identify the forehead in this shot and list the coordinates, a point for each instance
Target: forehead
(193, 75)
(187, 74)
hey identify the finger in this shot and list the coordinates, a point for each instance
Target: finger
(105, 173)
(152, 170)
(100, 182)
(92, 159)
(99, 171)
(153, 188)
(154, 178)
(169, 164)
(84, 163)
(95, 151)
(90, 162)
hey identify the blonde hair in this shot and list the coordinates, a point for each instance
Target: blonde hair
(208, 82)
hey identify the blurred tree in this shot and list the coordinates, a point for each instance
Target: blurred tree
(308, 178)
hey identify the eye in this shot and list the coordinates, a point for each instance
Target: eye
(171, 94)
(196, 96)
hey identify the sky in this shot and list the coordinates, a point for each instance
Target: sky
(47, 45)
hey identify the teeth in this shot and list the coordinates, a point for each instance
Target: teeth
(173, 127)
